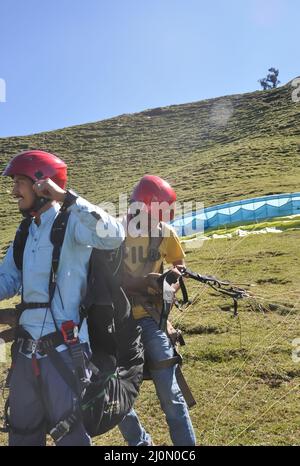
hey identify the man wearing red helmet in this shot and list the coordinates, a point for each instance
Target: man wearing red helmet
(39, 395)
(152, 205)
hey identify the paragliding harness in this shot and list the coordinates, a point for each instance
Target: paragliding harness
(167, 281)
(117, 361)
(151, 304)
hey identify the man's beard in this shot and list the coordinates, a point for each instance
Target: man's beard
(37, 205)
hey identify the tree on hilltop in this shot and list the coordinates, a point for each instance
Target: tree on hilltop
(271, 81)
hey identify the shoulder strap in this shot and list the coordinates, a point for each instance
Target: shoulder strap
(20, 241)
(153, 251)
(57, 236)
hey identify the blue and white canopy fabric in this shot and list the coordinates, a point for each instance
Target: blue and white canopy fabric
(238, 213)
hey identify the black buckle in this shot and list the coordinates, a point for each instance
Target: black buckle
(28, 345)
(64, 427)
(60, 430)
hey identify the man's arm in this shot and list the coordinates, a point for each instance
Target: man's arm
(10, 276)
(96, 227)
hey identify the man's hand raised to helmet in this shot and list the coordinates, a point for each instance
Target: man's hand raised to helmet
(47, 188)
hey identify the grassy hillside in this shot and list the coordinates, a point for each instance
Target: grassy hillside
(206, 157)
(240, 369)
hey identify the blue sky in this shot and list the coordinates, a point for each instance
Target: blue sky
(68, 62)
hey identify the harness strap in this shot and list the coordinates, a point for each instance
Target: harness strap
(165, 363)
(177, 359)
(78, 358)
(23, 305)
(153, 254)
(41, 346)
(64, 427)
(66, 374)
(185, 389)
(57, 238)
(182, 383)
(20, 241)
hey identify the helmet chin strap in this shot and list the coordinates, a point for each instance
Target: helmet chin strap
(37, 205)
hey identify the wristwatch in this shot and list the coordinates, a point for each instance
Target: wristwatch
(70, 198)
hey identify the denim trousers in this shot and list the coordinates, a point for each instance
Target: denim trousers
(157, 348)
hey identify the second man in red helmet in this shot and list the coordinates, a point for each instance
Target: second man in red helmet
(150, 242)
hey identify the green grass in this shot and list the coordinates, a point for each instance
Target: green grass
(240, 369)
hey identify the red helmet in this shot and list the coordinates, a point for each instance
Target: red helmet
(37, 165)
(153, 189)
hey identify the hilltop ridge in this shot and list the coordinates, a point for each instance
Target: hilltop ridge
(214, 150)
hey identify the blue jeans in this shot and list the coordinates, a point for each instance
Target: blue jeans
(157, 348)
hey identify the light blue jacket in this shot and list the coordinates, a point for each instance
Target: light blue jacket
(88, 227)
